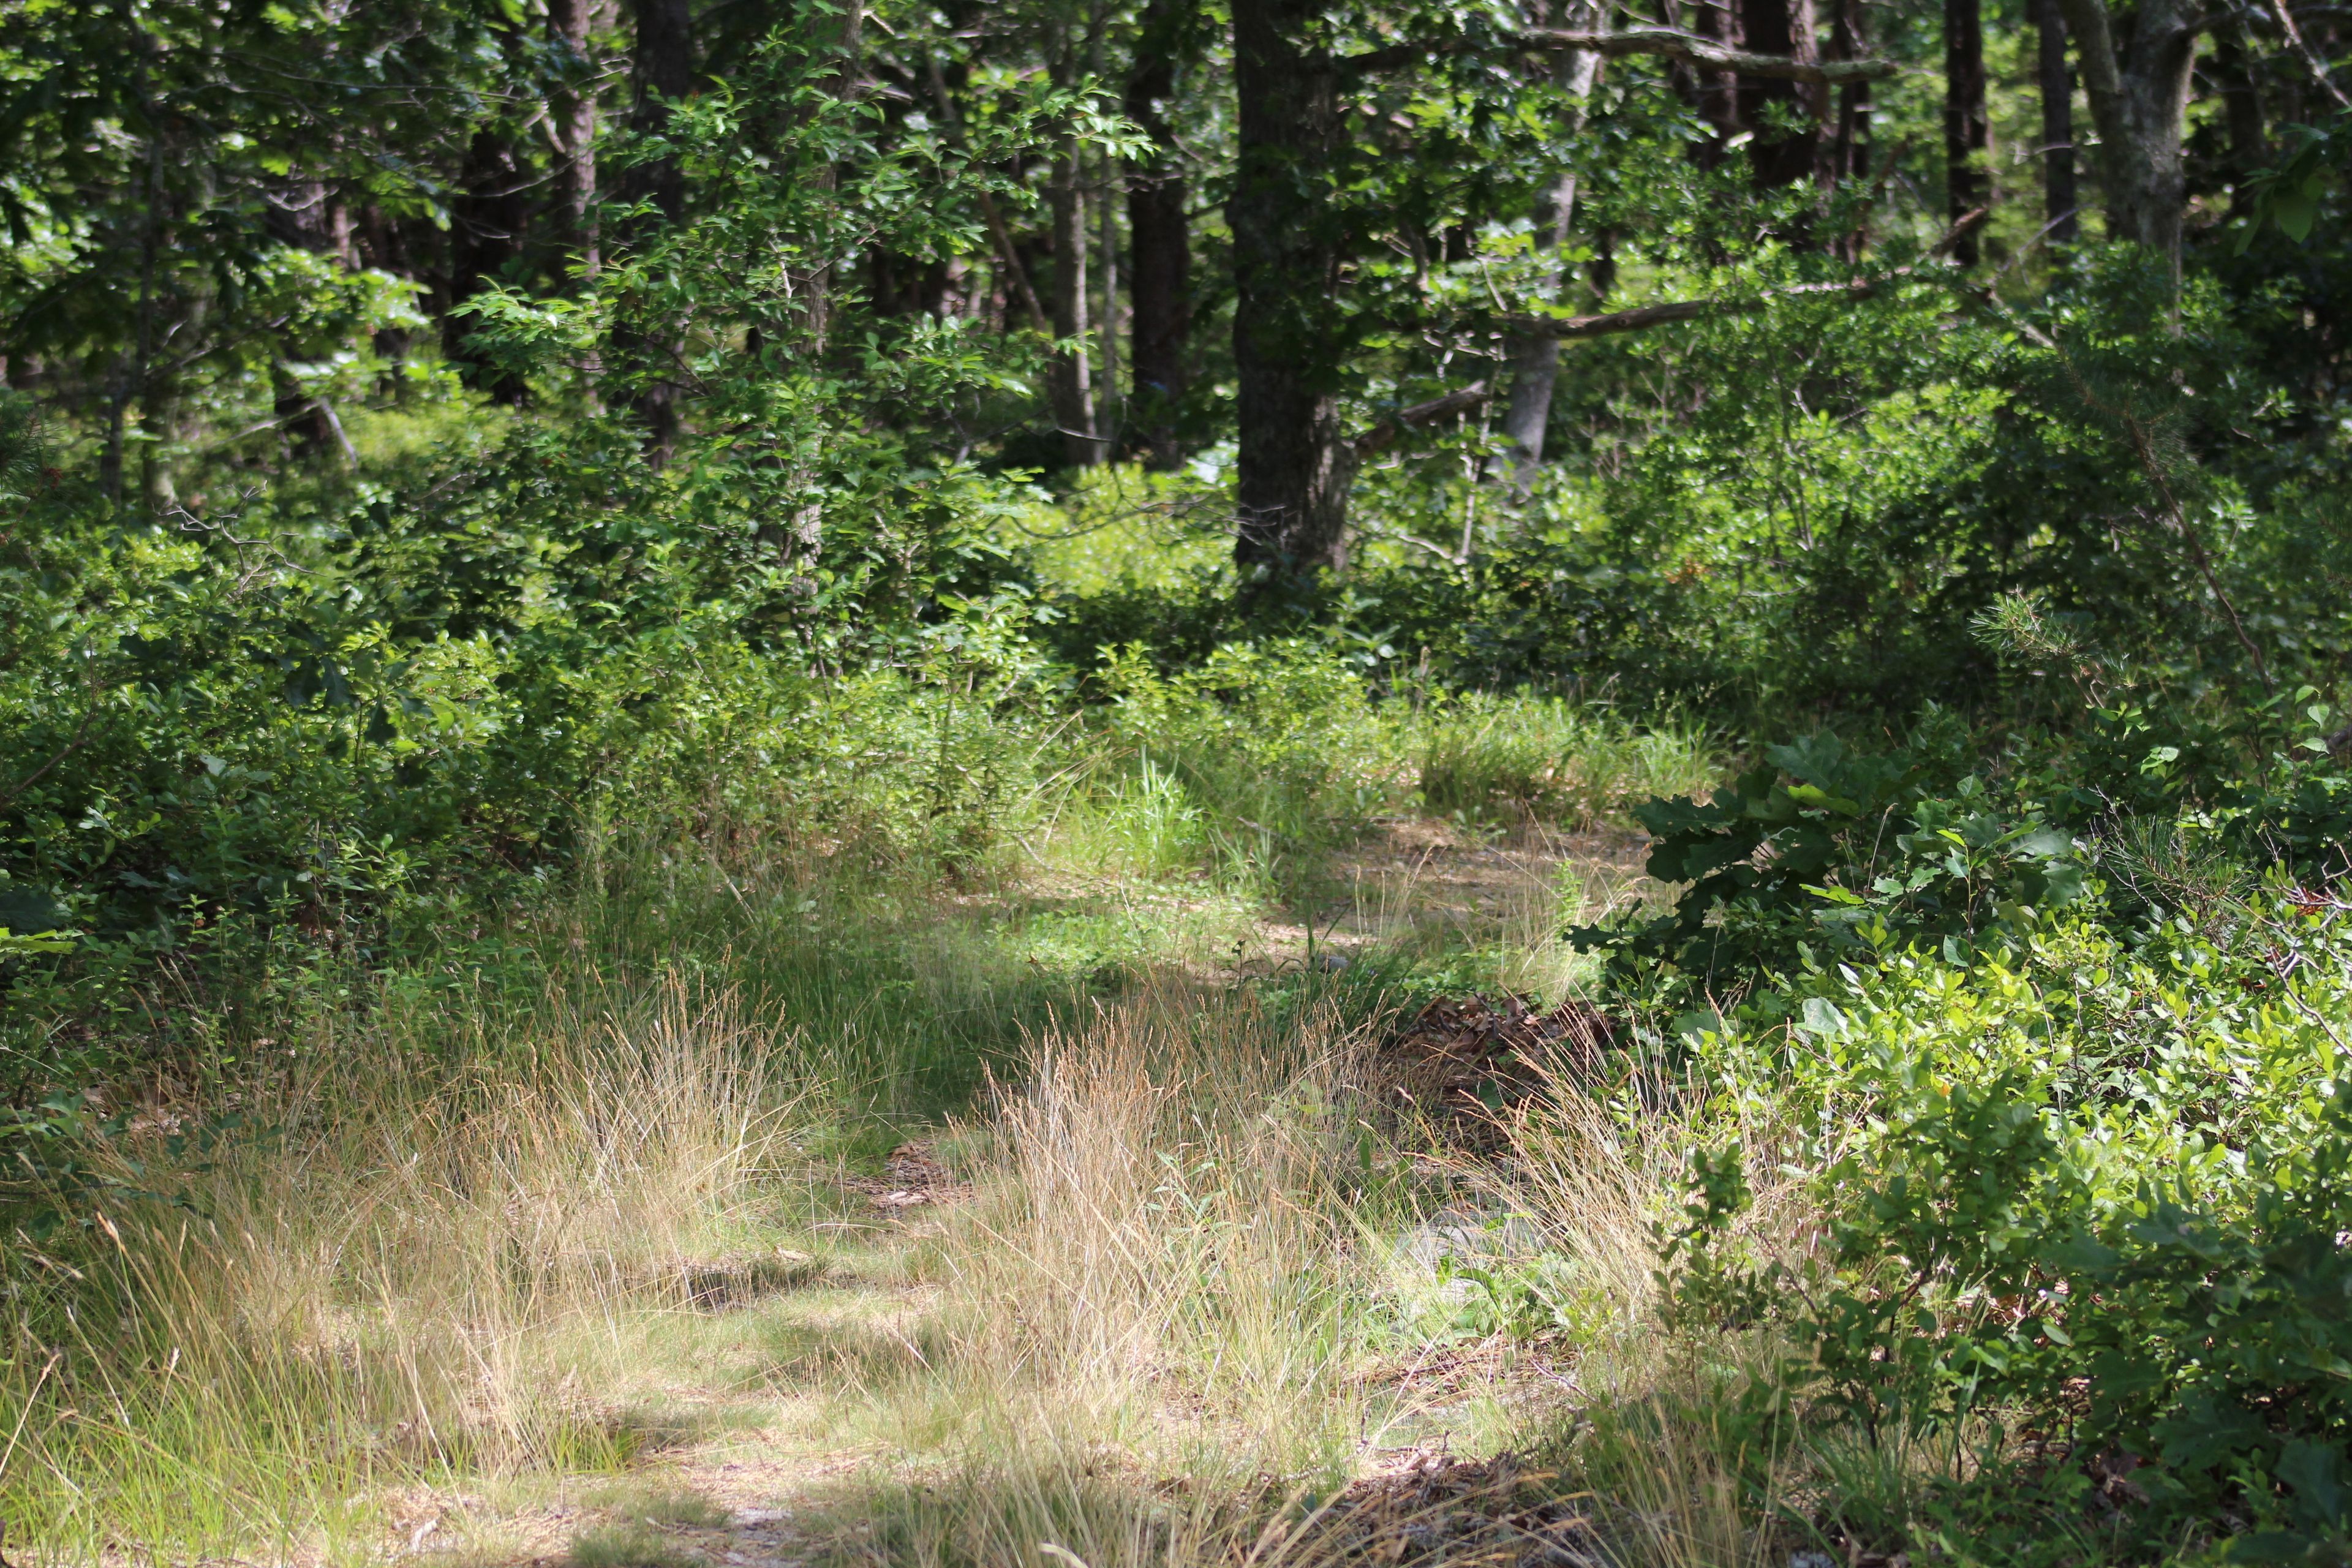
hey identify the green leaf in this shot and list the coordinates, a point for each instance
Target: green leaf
(1822, 800)
(2293, 211)
(1820, 1017)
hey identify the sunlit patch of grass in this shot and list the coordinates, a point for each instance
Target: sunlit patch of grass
(1523, 758)
(1124, 527)
(1170, 1308)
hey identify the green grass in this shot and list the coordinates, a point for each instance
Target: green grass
(1522, 758)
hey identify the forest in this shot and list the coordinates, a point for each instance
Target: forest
(1150, 783)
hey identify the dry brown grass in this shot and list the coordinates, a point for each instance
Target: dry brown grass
(409, 1274)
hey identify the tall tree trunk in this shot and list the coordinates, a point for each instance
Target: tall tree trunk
(1965, 130)
(1159, 236)
(662, 65)
(1293, 468)
(572, 110)
(1714, 93)
(662, 70)
(1535, 361)
(486, 228)
(833, 35)
(1069, 379)
(2242, 104)
(1072, 372)
(2060, 202)
(1848, 153)
(1781, 27)
(2139, 89)
(1110, 408)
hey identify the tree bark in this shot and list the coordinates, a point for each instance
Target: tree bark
(1715, 93)
(1293, 468)
(1071, 374)
(2060, 201)
(1847, 156)
(1785, 28)
(1535, 361)
(1069, 378)
(1159, 237)
(2242, 104)
(572, 108)
(1967, 135)
(2138, 92)
(832, 37)
(662, 70)
(662, 66)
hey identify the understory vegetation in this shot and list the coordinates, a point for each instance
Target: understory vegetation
(1160, 784)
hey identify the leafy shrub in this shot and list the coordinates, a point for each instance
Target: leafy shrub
(1277, 741)
(2095, 1193)
(1821, 849)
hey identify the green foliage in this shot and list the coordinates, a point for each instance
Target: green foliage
(2289, 194)
(2090, 1192)
(1278, 742)
(1823, 849)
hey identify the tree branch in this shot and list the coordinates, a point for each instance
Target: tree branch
(1644, 317)
(1008, 257)
(1384, 434)
(1671, 42)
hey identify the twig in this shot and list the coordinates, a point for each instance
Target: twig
(2310, 57)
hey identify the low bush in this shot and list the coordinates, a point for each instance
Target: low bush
(2082, 1207)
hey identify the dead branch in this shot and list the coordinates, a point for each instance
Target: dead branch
(1643, 317)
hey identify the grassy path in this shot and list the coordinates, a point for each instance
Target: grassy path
(1022, 1329)
(746, 1217)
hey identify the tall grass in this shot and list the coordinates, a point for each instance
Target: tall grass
(410, 1272)
(1517, 759)
(1152, 1326)
(429, 1235)
(429, 1226)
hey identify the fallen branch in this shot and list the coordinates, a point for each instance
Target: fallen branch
(1670, 42)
